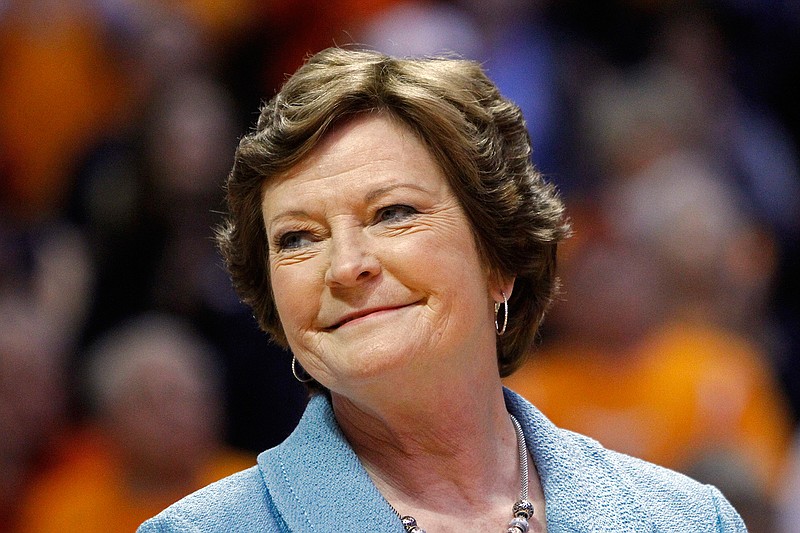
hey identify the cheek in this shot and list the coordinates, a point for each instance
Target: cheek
(449, 257)
(296, 297)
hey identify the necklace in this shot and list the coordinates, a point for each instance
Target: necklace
(523, 508)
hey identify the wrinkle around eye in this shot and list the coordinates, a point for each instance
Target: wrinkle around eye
(442, 219)
(291, 257)
(403, 230)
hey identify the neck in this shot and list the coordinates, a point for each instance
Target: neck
(450, 447)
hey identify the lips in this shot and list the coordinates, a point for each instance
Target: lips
(361, 313)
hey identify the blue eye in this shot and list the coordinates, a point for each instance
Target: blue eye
(395, 213)
(293, 240)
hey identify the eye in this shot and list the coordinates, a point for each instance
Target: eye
(395, 213)
(293, 240)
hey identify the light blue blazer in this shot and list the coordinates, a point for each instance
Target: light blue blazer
(314, 482)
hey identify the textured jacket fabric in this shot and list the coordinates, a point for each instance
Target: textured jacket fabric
(314, 482)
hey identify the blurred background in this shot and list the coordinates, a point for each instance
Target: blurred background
(131, 375)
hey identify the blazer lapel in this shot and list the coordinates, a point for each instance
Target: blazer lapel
(581, 491)
(317, 483)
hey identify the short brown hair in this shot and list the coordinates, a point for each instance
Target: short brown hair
(478, 138)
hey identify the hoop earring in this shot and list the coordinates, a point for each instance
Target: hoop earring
(294, 372)
(497, 306)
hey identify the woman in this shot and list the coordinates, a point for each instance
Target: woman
(386, 224)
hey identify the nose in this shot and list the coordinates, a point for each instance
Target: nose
(351, 260)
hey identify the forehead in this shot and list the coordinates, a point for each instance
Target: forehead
(361, 152)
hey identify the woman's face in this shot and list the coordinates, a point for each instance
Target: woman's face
(374, 267)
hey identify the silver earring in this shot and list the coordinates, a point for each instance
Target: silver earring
(294, 372)
(504, 305)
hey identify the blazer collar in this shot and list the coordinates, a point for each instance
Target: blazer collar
(317, 482)
(581, 485)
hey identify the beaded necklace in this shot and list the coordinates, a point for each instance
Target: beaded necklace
(523, 508)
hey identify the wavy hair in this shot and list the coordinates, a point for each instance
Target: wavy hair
(478, 137)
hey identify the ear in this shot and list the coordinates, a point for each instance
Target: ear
(501, 285)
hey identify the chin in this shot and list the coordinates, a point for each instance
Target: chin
(376, 364)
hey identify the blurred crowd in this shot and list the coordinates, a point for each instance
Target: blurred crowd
(129, 372)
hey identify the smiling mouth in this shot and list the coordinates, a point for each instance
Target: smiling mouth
(364, 313)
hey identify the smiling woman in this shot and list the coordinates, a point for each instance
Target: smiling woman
(353, 231)
(386, 224)
(476, 139)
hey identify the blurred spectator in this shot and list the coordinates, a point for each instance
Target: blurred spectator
(723, 470)
(664, 347)
(154, 436)
(148, 198)
(423, 27)
(789, 502)
(45, 287)
(657, 385)
(753, 148)
(510, 38)
(31, 414)
(663, 126)
(188, 147)
(280, 34)
(58, 91)
(662, 388)
(163, 161)
(718, 262)
(679, 111)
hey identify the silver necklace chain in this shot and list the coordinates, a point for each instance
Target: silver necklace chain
(523, 508)
(523, 459)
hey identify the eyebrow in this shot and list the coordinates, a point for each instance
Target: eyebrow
(368, 198)
(294, 213)
(377, 193)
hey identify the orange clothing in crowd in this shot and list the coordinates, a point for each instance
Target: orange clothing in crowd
(87, 491)
(58, 91)
(683, 392)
